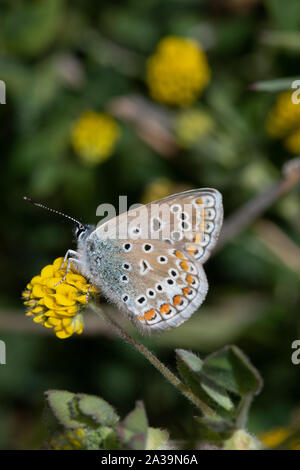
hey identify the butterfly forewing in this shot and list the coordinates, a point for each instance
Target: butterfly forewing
(157, 256)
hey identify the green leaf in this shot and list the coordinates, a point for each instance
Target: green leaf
(97, 409)
(231, 369)
(62, 405)
(133, 430)
(190, 368)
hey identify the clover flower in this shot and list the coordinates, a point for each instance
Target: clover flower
(56, 302)
(192, 125)
(177, 72)
(284, 122)
(94, 136)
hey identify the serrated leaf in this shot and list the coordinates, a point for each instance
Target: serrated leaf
(231, 369)
(98, 409)
(133, 430)
(62, 404)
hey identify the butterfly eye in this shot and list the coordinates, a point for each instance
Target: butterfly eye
(79, 231)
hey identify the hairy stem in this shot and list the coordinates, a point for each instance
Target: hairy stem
(172, 378)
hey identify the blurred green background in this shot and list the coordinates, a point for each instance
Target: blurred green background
(60, 58)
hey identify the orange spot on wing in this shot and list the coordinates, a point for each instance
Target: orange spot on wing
(189, 279)
(199, 200)
(186, 290)
(141, 318)
(177, 299)
(191, 249)
(165, 308)
(179, 254)
(150, 314)
(184, 265)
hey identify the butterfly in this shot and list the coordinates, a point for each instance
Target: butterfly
(149, 261)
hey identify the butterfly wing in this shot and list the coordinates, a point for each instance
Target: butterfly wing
(191, 220)
(151, 263)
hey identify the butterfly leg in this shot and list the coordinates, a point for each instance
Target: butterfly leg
(70, 260)
(88, 293)
(69, 252)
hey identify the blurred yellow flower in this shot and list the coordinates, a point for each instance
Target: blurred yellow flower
(278, 436)
(191, 125)
(284, 122)
(177, 72)
(57, 303)
(94, 136)
(161, 187)
(71, 440)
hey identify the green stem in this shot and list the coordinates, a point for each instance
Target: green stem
(242, 415)
(172, 378)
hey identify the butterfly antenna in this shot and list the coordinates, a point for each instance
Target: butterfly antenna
(54, 211)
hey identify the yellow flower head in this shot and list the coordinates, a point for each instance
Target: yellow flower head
(56, 302)
(94, 136)
(192, 125)
(284, 122)
(177, 72)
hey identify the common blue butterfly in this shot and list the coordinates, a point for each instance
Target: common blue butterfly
(149, 261)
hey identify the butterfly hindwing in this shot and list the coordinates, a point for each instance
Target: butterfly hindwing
(163, 286)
